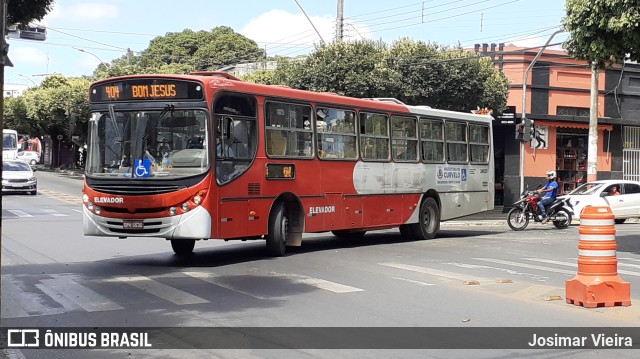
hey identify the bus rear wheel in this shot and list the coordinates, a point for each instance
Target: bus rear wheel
(278, 231)
(428, 220)
(183, 247)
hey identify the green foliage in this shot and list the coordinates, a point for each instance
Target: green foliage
(603, 32)
(416, 73)
(186, 51)
(357, 69)
(266, 77)
(48, 108)
(26, 11)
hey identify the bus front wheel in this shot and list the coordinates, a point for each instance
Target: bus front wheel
(278, 230)
(183, 247)
(428, 220)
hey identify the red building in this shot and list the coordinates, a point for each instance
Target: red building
(558, 100)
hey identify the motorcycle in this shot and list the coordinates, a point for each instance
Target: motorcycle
(559, 211)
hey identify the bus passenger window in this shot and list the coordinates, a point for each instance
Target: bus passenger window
(336, 133)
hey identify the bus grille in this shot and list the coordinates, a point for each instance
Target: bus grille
(253, 188)
(135, 190)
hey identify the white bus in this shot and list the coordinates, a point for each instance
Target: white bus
(9, 144)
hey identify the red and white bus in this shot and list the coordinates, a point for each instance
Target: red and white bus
(202, 156)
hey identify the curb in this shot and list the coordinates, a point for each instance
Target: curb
(475, 223)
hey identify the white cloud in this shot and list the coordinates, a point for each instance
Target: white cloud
(88, 12)
(290, 34)
(27, 56)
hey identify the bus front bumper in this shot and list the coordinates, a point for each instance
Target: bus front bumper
(195, 224)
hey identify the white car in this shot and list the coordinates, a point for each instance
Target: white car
(17, 176)
(624, 205)
(31, 157)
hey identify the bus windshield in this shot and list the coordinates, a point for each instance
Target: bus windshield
(148, 144)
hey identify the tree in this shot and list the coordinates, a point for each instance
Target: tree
(449, 79)
(413, 72)
(26, 11)
(357, 69)
(48, 108)
(186, 51)
(603, 33)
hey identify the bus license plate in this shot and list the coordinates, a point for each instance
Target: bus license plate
(132, 224)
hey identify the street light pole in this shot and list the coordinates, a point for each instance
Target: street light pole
(524, 103)
(28, 78)
(92, 54)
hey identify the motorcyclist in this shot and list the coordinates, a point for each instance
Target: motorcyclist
(550, 191)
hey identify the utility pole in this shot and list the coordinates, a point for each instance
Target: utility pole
(524, 104)
(592, 149)
(4, 55)
(340, 21)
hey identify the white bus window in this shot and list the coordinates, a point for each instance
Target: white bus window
(456, 137)
(405, 139)
(432, 138)
(479, 143)
(374, 137)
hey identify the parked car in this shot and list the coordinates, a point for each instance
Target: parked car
(17, 176)
(621, 195)
(31, 157)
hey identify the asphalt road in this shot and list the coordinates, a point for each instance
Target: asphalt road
(471, 275)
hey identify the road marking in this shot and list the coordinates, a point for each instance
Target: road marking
(524, 265)
(84, 297)
(55, 213)
(322, 284)
(575, 265)
(414, 281)
(19, 213)
(54, 294)
(161, 290)
(434, 272)
(213, 279)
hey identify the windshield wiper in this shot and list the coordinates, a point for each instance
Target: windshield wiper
(112, 115)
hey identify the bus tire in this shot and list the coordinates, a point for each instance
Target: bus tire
(183, 247)
(347, 234)
(428, 220)
(278, 230)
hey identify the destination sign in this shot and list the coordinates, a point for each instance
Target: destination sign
(146, 89)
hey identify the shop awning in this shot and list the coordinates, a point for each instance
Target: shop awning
(584, 126)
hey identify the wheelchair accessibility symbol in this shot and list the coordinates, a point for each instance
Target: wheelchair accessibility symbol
(142, 168)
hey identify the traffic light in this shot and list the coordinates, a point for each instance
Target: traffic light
(520, 131)
(528, 131)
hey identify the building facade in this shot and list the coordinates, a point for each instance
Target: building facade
(558, 100)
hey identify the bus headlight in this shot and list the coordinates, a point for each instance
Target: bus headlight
(173, 211)
(197, 199)
(96, 210)
(185, 207)
(90, 206)
(85, 198)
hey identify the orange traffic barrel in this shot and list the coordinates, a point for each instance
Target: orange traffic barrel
(597, 283)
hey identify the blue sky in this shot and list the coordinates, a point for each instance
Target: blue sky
(106, 29)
